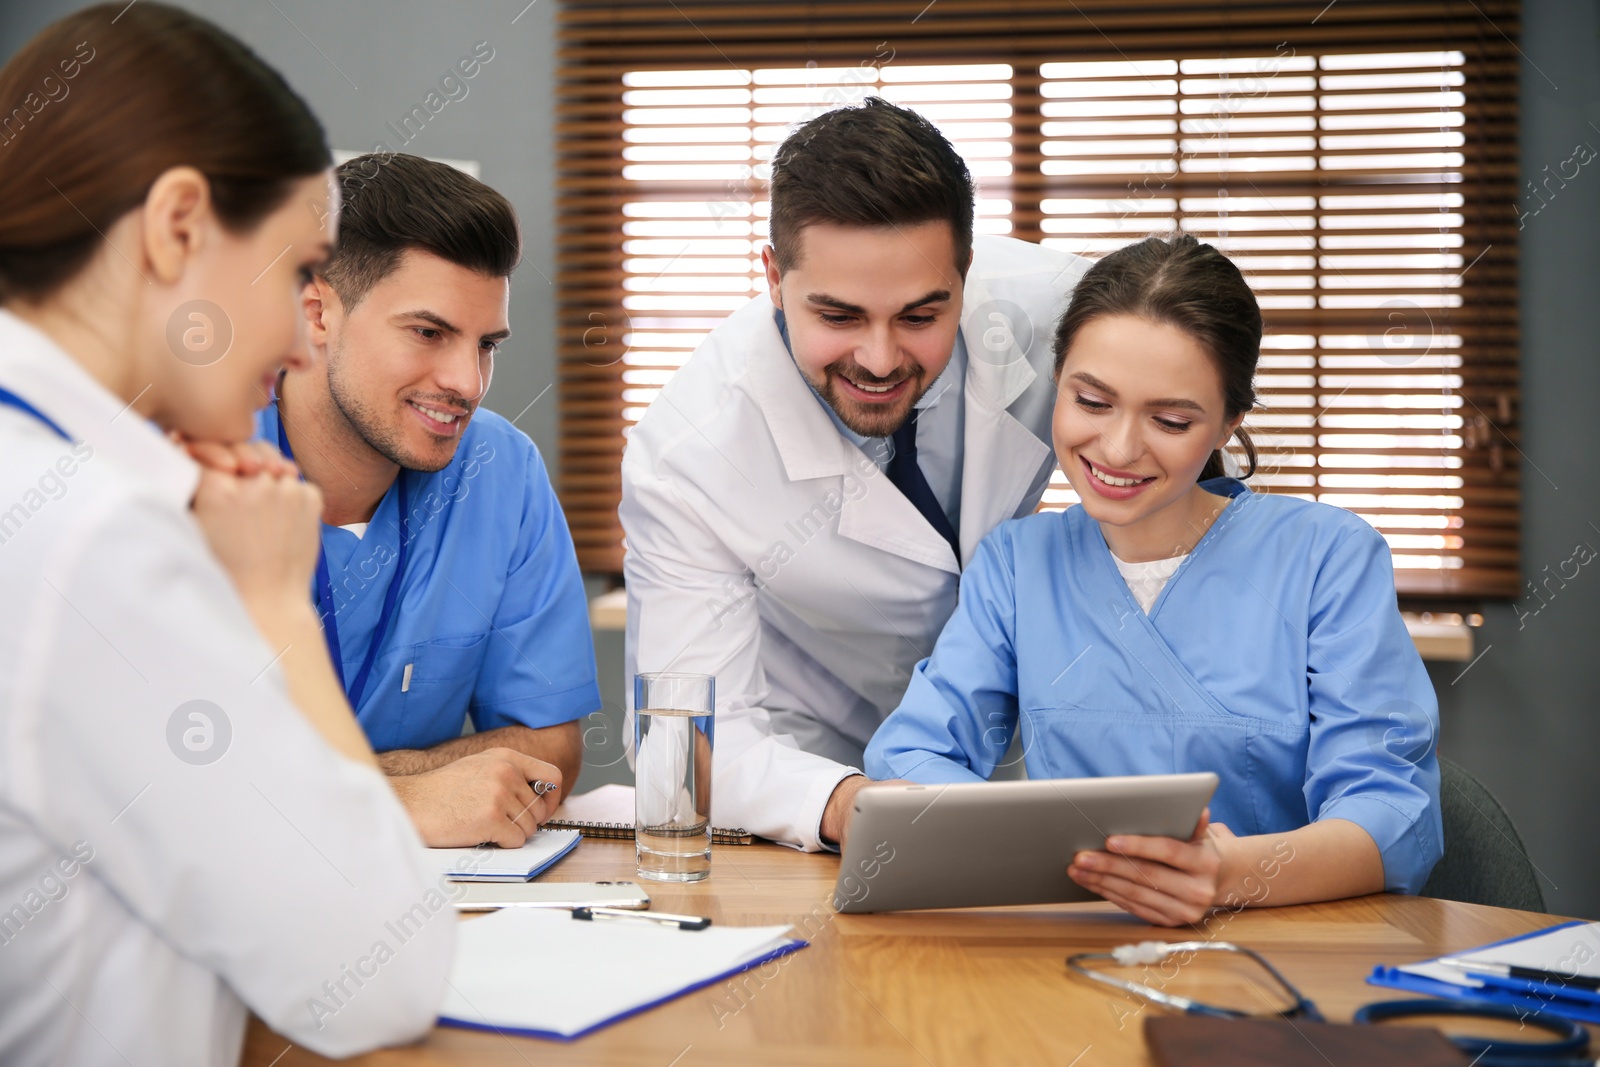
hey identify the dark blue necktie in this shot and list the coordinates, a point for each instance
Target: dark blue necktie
(907, 477)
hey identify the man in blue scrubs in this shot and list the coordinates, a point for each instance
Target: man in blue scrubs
(449, 588)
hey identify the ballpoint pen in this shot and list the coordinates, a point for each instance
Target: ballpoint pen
(682, 922)
(1532, 974)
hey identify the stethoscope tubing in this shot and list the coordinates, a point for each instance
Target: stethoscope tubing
(1569, 1049)
(1302, 1008)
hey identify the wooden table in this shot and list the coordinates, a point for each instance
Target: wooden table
(936, 988)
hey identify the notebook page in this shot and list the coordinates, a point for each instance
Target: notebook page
(609, 803)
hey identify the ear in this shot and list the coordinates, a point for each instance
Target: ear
(178, 219)
(319, 304)
(1230, 427)
(769, 263)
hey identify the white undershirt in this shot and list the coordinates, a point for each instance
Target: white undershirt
(357, 528)
(1146, 580)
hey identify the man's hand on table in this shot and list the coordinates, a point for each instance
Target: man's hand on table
(486, 796)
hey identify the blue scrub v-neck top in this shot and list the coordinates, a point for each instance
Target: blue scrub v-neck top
(490, 620)
(1275, 657)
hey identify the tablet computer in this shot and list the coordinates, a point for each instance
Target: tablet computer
(981, 844)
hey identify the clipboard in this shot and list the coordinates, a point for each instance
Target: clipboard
(538, 973)
(555, 1035)
(1523, 994)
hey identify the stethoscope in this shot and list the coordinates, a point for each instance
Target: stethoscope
(9, 399)
(1568, 1049)
(324, 590)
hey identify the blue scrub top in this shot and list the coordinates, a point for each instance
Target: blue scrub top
(491, 617)
(1275, 656)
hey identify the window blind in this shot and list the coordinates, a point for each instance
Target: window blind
(1357, 161)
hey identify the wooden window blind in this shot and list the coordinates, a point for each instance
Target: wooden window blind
(1357, 160)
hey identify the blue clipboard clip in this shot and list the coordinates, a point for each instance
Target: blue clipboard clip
(1531, 1003)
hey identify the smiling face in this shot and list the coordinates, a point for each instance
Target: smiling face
(1139, 410)
(410, 363)
(872, 316)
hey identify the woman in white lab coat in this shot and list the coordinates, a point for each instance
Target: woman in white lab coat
(191, 822)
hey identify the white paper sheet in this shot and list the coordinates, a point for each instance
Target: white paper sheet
(1568, 950)
(546, 973)
(609, 803)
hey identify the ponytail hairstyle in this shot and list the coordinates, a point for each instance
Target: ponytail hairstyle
(1179, 282)
(102, 102)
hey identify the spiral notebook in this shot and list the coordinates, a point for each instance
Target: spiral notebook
(486, 863)
(608, 812)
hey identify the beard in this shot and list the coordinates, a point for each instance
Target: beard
(376, 428)
(870, 420)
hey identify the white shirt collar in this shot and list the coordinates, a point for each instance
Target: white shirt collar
(34, 367)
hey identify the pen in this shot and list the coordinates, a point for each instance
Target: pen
(541, 787)
(1532, 974)
(682, 922)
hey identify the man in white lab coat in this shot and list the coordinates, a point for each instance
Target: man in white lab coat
(799, 500)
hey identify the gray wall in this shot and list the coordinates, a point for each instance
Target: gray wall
(1525, 717)
(363, 65)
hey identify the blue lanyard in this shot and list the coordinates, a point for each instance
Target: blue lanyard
(324, 593)
(12, 400)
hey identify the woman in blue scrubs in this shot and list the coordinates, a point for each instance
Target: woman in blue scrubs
(1176, 621)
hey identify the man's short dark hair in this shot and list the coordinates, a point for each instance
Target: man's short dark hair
(870, 165)
(394, 202)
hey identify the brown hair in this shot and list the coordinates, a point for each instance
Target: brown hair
(870, 165)
(100, 104)
(395, 202)
(1182, 283)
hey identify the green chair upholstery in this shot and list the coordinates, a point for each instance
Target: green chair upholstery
(1484, 859)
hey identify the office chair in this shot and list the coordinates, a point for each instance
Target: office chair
(1484, 860)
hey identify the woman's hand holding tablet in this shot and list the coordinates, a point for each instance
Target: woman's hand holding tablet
(1160, 879)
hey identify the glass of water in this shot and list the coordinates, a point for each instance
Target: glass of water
(672, 735)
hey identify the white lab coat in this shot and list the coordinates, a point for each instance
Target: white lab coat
(767, 550)
(178, 846)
